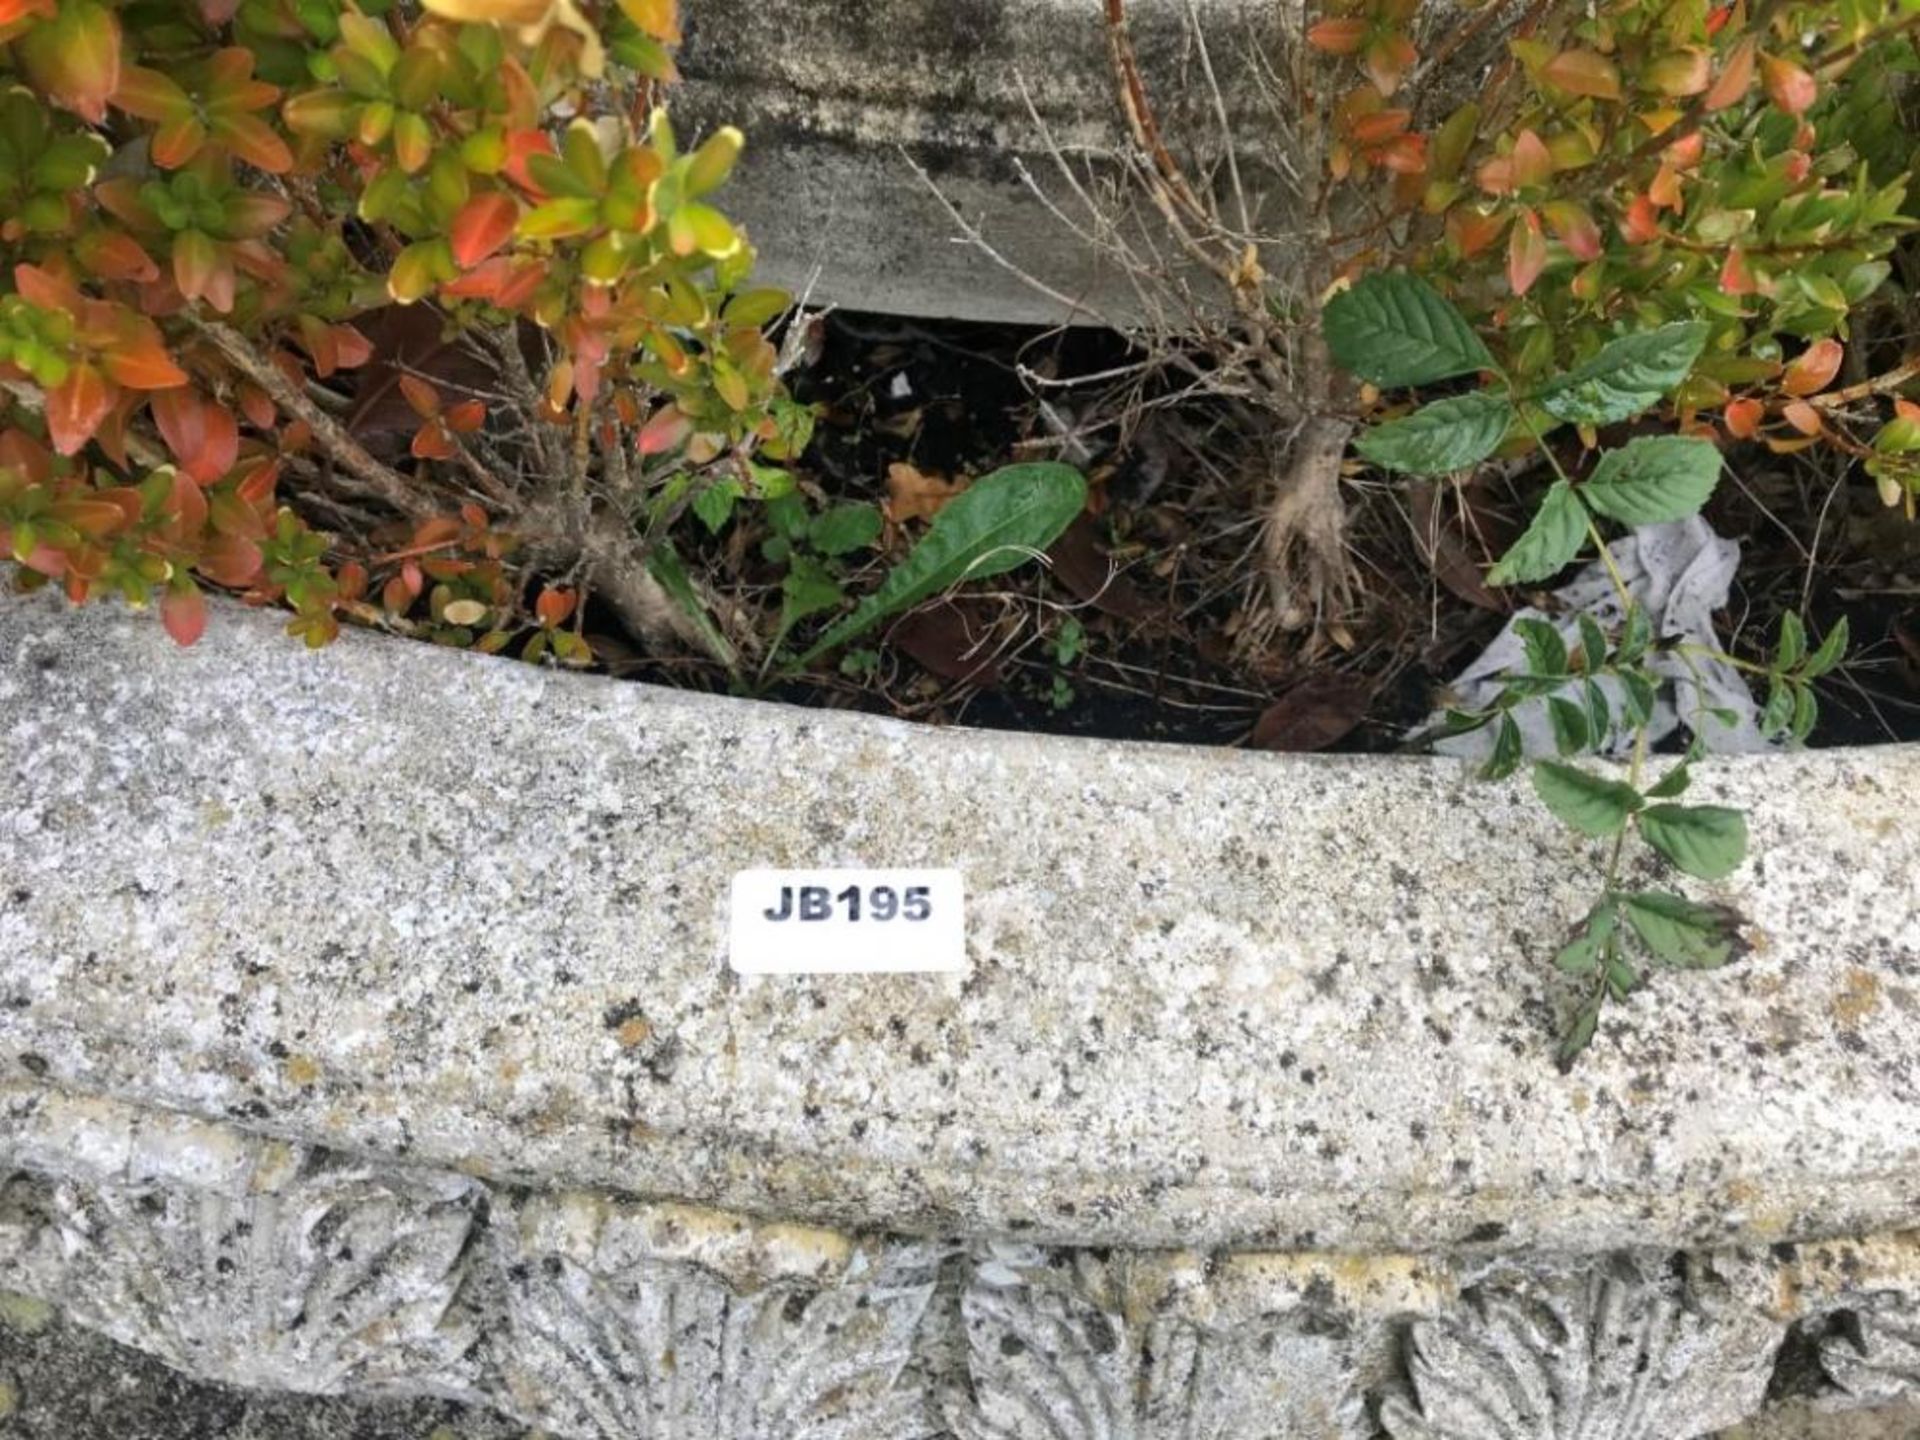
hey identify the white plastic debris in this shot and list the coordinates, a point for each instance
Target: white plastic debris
(1681, 573)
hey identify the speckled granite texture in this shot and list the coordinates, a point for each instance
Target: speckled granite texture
(468, 913)
(365, 1028)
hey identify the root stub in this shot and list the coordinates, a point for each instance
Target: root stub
(1308, 570)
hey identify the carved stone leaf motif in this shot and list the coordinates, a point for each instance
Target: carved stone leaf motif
(1884, 1364)
(1046, 1365)
(665, 1350)
(335, 1282)
(1596, 1356)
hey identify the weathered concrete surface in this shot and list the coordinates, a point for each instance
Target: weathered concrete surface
(451, 911)
(841, 100)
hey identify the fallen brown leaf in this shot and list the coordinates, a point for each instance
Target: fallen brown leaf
(953, 639)
(914, 495)
(1313, 714)
(1450, 555)
(1082, 564)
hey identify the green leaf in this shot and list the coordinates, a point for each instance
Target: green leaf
(714, 504)
(1546, 651)
(1683, 933)
(1447, 435)
(1395, 329)
(1508, 751)
(1806, 712)
(1579, 1032)
(1637, 697)
(1635, 636)
(1830, 651)
(1599, 720)
(1630, 374)
(846, 528)
(1709, 841)
(1579, 956)
(1674, 782)
(997, 524)
(1570, 729)
(1653, 478)
(809, 588)
(664, 565)
(1550, 542)
(1777, 715)
(1793, 642)
(1589, 803)
(1593, 643)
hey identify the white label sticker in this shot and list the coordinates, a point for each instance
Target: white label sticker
(846, 922)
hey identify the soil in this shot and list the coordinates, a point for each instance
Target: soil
(1158, 579)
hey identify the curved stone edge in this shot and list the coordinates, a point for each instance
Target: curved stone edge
(249, 1260)
(430, 908)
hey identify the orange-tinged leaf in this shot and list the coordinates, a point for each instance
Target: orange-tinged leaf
(466, 417)
(1744, 417)
(1802, 416)
(657, 19)
(1788, 85)
(1526, 252)
(1387, 60)
(178, 141)
(183, 610)
(1341, 36)
(1471, 231)
(1736, 277)
(151, 95)
(1686, 152)
(114, 256)
(1379, 127)
(231, 560)
(251, 139)
(432, 442)
(1682, 73)
(74, 58)
(202, 270)
(492, 12)
(666, 429)
(350, 348)
(484, 224)
(139, 360)
(201, 433)
(1574, 228)
(1664, 191)
(421, 395)
(1735, 79)
(1813, 370)
(554, 606)
(1583, 72)
(1495, 175)
(76, 406)
(1532, 161)
(1640, 224)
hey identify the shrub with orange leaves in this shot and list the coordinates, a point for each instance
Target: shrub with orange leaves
(214, 219)
(1647, 162)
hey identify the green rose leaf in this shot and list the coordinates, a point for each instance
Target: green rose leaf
(1395, 329)
(1683, 933)
(1629, 375)
(1447, 435)
(1589, 803)
(1549, 543)
(1709, 841)
(1654, 478)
